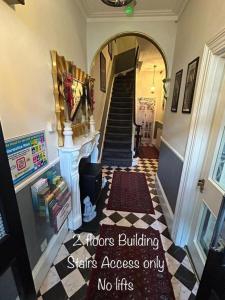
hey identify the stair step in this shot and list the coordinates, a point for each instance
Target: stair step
(117, 162)
(118, 122)
(121, 110)
(117, 129)
(116, 150)
(116, 136)
(122, 87)
(114, 116)
(122, 94)
(118, 154)
(117, 144)
(121, 104)
(123, 78)
(122, 99)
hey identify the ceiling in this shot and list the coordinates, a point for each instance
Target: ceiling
(149, 56)
(97, 9)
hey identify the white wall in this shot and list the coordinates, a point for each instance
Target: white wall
(126, 43)
(27, 34)
(162, 32)
(200, 21)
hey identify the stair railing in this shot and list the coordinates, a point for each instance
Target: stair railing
(106, 109)
(137, 134)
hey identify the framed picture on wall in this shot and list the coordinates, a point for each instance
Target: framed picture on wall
(176, 91)
(110, 49)
(102, 73)
(190, 86)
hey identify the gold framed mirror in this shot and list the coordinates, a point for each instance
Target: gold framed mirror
(73, 93)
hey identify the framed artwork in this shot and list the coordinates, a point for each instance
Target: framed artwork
(176, 91)
(102, 73)
(190, 86)
(110, 49)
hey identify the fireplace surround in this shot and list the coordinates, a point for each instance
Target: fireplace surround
(70, 157)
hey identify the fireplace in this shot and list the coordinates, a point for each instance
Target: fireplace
(70, 158)
(90, 182)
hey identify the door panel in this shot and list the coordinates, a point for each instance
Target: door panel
(2, 228)
(209, 200)
(13, 252)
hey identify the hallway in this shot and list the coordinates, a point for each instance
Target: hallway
(111, 110)
(64, 283)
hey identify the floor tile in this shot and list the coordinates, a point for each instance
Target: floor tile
(124, 223)
(148, 219)
(140, 224)
(73, 282)
(132, 218)
(56, 292)
(63, 253)
(63, 267)
(172, 264)
(51, 280)
(116, 217)
(80, 294)
(177, 252)
(186, 277)
(63, 283)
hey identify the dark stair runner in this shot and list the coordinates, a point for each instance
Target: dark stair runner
(118, 138)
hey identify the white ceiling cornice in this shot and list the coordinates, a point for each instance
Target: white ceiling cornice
(181, 8)
(131, 19)
(83, 8)
(139, 15)
(145, 15)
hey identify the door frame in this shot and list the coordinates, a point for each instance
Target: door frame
(12, 246)
(207, 89)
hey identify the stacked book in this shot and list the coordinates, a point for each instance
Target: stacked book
(52, 200)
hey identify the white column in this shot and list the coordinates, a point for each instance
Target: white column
(95, 152)
(69, 165)
(68, 135)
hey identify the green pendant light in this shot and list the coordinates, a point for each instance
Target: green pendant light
(129, 10)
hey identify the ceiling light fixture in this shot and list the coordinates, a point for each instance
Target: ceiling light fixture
(117, 3)
(153, 81)
(129, 10)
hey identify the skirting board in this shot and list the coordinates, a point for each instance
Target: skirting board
(169, 216)
(44, 264)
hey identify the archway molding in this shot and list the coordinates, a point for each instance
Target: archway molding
(131, 33)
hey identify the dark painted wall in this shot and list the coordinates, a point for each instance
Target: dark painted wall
(125, 61)
(8, 290)
(169, 173)
(36, 229)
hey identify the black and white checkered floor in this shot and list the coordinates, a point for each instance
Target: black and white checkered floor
(63, 283)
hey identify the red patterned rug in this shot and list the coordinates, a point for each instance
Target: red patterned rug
(126, 271)
(130, 193)
(148, 152)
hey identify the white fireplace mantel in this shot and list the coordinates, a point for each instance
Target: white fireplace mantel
(69, 165)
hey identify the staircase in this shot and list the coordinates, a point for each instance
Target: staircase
(118, 137)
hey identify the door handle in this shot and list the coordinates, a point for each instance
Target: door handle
(201, 184)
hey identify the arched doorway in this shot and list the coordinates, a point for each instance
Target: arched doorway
(151, 69)
(127, 34)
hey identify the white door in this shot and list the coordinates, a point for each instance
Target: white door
(209, 200)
